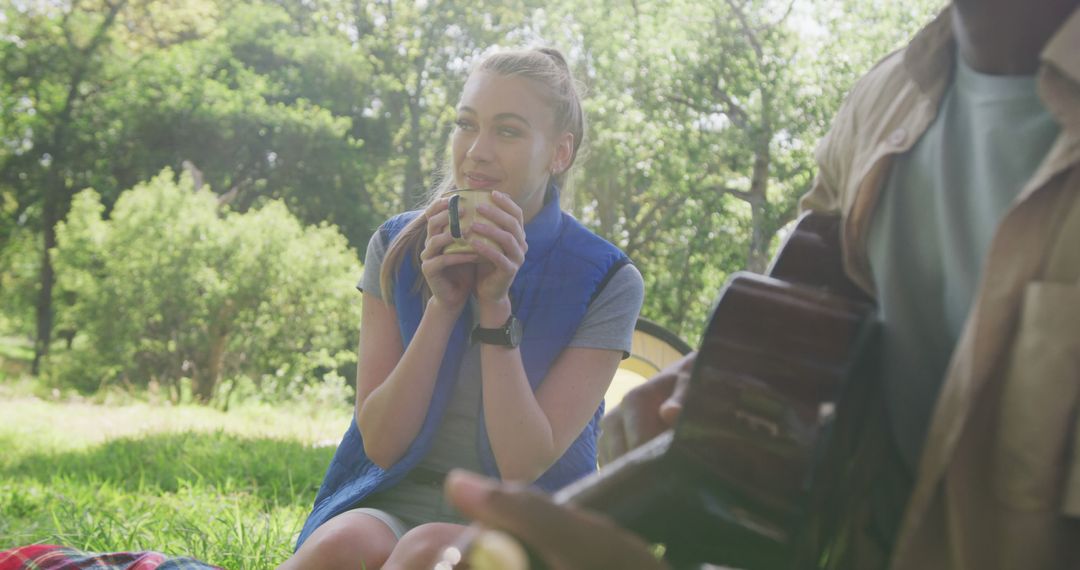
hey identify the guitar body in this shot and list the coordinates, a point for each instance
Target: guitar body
(732, 483)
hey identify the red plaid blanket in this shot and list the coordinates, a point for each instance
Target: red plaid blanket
(52, 557)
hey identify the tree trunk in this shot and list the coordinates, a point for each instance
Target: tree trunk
(207, 376)
(57, 191)
(606, 209)
(690, 282)
(757, 258)
(758, 253)
(48, 279)
(413, 193)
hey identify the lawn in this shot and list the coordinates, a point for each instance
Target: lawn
(229, 489)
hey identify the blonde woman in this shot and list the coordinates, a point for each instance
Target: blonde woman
(495, 361)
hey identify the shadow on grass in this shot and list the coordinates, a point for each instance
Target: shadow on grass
(276, 472)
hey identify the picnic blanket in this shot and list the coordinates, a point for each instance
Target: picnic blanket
(52, 557)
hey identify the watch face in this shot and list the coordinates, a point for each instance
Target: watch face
(515, 331)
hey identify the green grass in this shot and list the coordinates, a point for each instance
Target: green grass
(229, 489)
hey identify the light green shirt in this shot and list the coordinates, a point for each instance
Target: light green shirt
(933, 226)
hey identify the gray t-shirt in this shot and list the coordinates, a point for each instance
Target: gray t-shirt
(608, 324)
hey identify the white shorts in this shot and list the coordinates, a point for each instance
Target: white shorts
(395, 524)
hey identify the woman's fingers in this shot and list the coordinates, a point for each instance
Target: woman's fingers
(450, 276)
(507, 251)
(434, 245)
(435, 264)
(437, 222)
(439, 205)
(437, 235)
(503, 224)
(504, 213)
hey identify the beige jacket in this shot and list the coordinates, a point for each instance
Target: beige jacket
(999, 478)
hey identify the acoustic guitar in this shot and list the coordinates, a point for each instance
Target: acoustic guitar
(752, 473)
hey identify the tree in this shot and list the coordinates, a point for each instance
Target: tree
(107, 93)
(705, 117)
(704, 114)
(220, 294)
(56, 64)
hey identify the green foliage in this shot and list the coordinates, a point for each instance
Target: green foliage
(262, 112)
(19, 273)
(260, 109)
(704, 118)
(171, 287)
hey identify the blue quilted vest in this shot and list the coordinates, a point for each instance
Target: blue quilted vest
(565, 267)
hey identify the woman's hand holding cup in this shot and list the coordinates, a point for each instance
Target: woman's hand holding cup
(462, 207)
(498, 237)
(468, 227)
(450, 276)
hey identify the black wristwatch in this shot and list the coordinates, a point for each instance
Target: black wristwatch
(507, 335)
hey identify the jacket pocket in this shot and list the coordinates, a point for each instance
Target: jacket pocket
(1036, 465)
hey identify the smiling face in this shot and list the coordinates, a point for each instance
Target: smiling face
(505, 139)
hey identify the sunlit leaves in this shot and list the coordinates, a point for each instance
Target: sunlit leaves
(171, 287)
(704, 115)
(704, 118)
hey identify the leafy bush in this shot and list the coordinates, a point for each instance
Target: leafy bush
(171, 289)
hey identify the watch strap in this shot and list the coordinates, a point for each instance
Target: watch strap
(500, 336)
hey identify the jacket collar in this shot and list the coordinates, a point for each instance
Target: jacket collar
(1059, 75)
(930, 57)
(543, 230)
